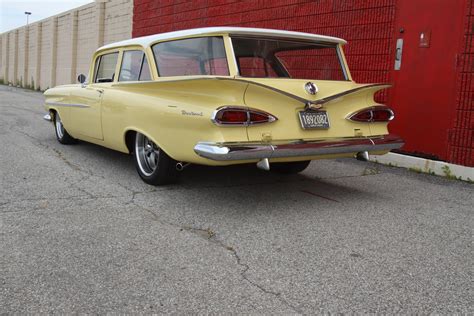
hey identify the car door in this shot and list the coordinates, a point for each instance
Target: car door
(134, 67)
(87, 115)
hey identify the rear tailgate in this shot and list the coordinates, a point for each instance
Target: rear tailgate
(286, 109)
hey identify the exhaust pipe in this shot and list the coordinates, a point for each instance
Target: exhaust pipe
(362, 156)
(181, 165)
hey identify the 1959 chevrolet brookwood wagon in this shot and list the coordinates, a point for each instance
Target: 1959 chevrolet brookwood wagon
(222, 96)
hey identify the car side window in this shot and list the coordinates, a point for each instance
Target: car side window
(134, 66)
(145, 71)
(105, 68)
(256, 67)
(193, 56)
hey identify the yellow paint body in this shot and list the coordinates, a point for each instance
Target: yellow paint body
(160, 109)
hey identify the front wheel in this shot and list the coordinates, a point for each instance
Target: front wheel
(61, 134)
(154, 166)
(289, 167)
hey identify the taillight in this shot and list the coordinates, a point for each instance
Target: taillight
(241, 116)
(373, 114)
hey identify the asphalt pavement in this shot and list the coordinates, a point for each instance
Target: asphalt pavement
(81, 233)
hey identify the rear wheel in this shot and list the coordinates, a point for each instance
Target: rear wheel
(289, 167)
(61, 134)
(154, 166)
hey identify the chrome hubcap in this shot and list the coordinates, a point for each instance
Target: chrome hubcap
(59, 126)
(147, 154)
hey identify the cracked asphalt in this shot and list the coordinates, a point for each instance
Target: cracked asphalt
(81, 233)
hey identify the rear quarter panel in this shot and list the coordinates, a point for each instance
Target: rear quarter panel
(174, 114)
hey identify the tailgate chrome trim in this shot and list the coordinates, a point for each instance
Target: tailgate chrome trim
(298, 148)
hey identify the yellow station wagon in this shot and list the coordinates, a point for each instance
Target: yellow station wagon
(222, 96)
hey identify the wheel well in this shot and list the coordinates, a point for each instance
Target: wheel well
(129, 139)
(52, 112)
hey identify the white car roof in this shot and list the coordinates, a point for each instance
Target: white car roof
(146, 41)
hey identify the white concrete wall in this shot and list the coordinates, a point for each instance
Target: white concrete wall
(1, 57)
(56, 50)
(21, 56)
(12, 56)
(31, 56)
(87, 42)
(64, 50)
(45, 53)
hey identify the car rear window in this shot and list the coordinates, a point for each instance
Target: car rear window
(190, 57)
(284, 58)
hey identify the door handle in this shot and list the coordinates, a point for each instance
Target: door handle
(398, 54)
(100, 91)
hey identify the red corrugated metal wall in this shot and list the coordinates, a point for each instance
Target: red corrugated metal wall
(367, 25)
(461, 140)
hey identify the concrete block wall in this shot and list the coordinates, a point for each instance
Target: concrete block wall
(45, 53)
(1, 56)
(21, 55)
(87, 42)
(12, 44)
(56, 50)
(117, 20)
(64, 50)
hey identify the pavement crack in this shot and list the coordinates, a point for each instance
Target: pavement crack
(243, 273)
(66, 161)
(319, 195)
(211, 236)
(57, 152)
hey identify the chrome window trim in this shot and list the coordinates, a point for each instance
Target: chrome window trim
(341, 61)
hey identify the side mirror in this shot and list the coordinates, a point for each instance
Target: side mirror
(81, 78)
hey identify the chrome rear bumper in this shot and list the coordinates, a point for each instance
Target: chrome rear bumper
(251, 151)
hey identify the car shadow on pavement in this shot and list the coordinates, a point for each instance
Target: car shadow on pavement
(246, 182)
(239, 178)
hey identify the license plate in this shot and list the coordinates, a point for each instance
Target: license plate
(310, 120)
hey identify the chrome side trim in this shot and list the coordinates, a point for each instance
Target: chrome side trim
(341, 62)
(257, 151)
(76, 105)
